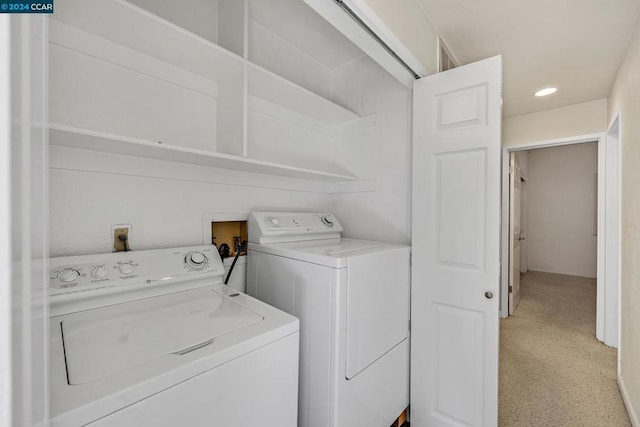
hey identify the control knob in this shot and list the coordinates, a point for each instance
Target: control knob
(98, 272)
(68, 275)
(327, 220)
(275, 221)
(196, 260)
(126, 268)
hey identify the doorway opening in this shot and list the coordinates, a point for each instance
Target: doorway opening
(606, 225)
(553, 213)
(561, 228)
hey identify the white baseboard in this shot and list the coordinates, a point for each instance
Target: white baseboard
(633, 415)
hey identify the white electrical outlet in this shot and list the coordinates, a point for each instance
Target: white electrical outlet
(118, 230)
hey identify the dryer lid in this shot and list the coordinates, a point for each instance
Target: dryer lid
(332, 253)
(102, 341)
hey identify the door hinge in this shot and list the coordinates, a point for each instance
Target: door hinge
(410, 259)
(409, 324)
(510, 289)
(510, 169)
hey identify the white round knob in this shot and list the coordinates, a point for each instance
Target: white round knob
(196, 260)
(275, 221)
(98, 272)
(126, 268)
(68, 275)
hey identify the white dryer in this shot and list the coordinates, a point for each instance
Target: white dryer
(152, 338)
(352, 299)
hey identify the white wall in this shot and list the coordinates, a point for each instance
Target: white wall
(163, 201)
(198, 16)
(573, 120)
(562, 209)
(411, 24)
(625, 100)
(382, 153)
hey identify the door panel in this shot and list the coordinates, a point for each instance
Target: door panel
(462, 108)
(455, 240)
(459, 380)
(377, 306)
(460, 198)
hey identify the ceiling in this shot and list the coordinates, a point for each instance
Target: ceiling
(574, 45)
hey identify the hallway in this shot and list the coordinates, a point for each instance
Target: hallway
(553, 372)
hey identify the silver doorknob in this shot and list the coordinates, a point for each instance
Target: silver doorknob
(488, 295)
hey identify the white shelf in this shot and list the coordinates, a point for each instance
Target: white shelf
(145, 32)
(173, 54)
(67, 136)
(271, 87)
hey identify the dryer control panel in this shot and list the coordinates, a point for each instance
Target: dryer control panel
(278, 227)
(139, 273)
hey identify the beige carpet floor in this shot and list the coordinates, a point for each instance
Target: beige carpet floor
(553, 372)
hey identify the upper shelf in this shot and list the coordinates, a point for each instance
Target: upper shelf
(271, 87)
(67, 136)
(145, 32)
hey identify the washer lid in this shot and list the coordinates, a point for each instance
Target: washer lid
(102, 341)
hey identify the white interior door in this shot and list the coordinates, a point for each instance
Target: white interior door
(455, 240)
(515, 231)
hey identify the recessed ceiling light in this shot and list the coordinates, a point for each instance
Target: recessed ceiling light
(546, 91)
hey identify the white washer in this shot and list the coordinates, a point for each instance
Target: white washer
(152, 338)
(352, 299)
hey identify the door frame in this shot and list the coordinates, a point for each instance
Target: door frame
(611, 173)
(5, 225)
(24, 213)
(513, 278)
(504, 281)
(609, 248)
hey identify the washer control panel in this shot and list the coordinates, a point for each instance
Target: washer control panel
(274, 227)
(95, 273)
